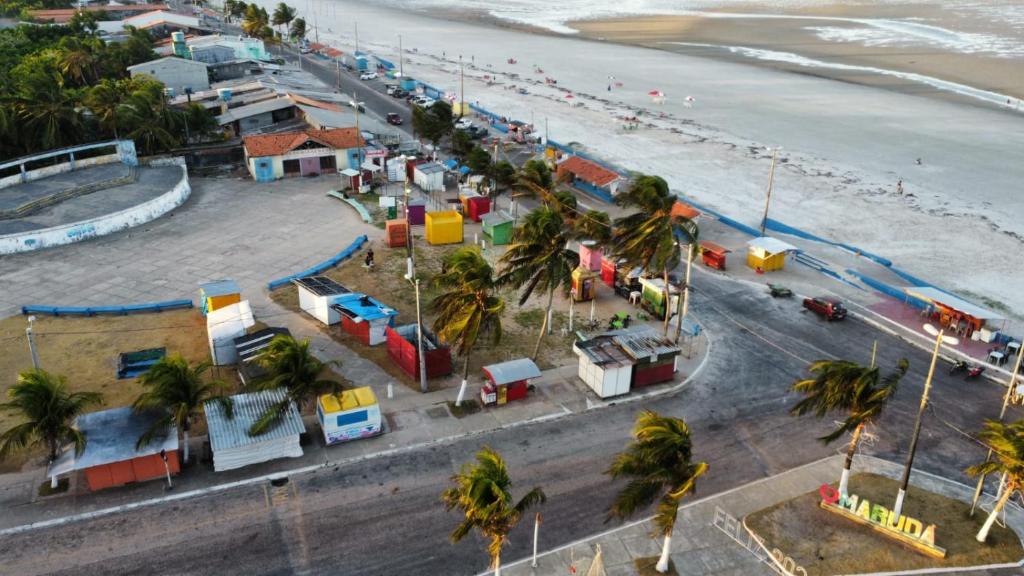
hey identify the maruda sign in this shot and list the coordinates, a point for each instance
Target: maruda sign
(906, 530)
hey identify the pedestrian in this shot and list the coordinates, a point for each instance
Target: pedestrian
(918, 161)
(899, 187)
(609, 87)
(369, 259)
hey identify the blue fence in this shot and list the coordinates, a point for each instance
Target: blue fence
(889, 290)
(330, 263)
(593, 190)
(102, 310)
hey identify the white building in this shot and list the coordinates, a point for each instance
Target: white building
(176, 73)
(245, 48)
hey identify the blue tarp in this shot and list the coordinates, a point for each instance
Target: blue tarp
(451, 163)
(330, 263)
(362, 306)
(464, 170)
(386, 64)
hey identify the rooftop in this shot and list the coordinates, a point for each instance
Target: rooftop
(166, 59)
(361, 307)
(643, 342)
(937, 296)
(226, 434)
(771, 245)
(348, 400)
(321, 285)
(219, 288)
(512, 371)
(588, 171)
(276, 144)
(254, 109)
(111, 436)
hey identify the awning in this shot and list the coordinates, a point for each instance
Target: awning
(771, 245)
(450, 164)
(349, 172)
(937, 296)
(464, 170)
(512, 371)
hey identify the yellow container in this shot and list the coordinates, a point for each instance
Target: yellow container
(766, 262)
(444, 227)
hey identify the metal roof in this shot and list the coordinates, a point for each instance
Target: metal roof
(771, 245)
(254, 109)
(950, 301)
(361, 307)
(226, 434)
(603, 351)
(219, 288)
(643, 342)
(321, 285)
(250, 345)
(512, 371)
(495, 218)
(430, 168)
(111, 436)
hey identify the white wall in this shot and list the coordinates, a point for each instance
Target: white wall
(58, 169)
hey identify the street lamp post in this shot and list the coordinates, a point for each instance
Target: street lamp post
(32, 342)
(1002, 413)
(684, 306)
(359, 140)
(771, 181)
(940, 338)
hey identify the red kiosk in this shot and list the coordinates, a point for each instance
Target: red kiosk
(713, 255)
(508, 381)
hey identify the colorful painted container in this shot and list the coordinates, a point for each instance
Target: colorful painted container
(443, 227)
(350, 415)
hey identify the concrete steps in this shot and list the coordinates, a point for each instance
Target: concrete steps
(38, 204)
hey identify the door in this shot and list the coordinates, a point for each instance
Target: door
(309, 166)
(291, 167)
(328, 165)
(264, 170)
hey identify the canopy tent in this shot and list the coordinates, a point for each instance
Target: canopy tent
(938, 297)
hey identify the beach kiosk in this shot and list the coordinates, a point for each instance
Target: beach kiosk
(404, 351)
(608, 270)
(364, 317)
(416, 211)
(591, 255)
(233, 446)
(613, 363)
(443, 227)
(218, 294)
(508, 381)
(584, 284)
(713, 255)
(652, 297)
(225, 324)
(767, 253)
(477, 206)
(429, 176)
(396, 233)
(349, 415)
(498, 226)
(316, 294)
(603, 366)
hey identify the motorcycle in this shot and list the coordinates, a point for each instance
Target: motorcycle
(974, 371)
(958, 366)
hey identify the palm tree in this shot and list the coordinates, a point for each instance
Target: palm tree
(595, 225)
(283, 16)
(106, 101)
(297, 30)
(652, 238)
(539, 259)
(294, 368)
(77, 59)
(49, 410)
(468, 307)
(660, 463)
(536, 180)
(178, 391)
(1007, 444)
(48, 110)
(844, 386)
(483, 492)
(253, 20)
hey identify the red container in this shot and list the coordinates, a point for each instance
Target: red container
(608, 272)
(646, 374)
(404, 353)
(124, 472)
(478, 206)
(360, 330)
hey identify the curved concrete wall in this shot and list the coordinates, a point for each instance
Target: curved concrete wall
(106, 224)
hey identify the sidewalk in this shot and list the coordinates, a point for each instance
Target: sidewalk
(700, 547)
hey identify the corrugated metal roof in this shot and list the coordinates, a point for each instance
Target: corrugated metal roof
(250, 345)
(111, 436)
(512, 371)
(495, 218)
(643, 342)
(771, 245)
(226, 434)
(253, 109)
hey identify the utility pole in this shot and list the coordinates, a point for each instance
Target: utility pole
(338, 64)
(356, 24)
(462, 89)
(401, 58)
(32, 342)
(768, 197)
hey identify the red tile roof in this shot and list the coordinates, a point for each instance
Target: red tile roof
(61, 15)
(332, 52)
(277, 144)
(587, 171)
(300, 99)
(684, 210)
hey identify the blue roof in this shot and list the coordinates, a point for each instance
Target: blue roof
(451, 164)
(361, 306)
(464, 170)
(219, 288)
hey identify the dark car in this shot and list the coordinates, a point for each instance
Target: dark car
(394, 118)
(830, 308)
(399, 93)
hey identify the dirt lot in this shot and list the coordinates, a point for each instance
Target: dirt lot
(387, 284)
(824, 543)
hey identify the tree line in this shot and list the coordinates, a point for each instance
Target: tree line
(258, 23)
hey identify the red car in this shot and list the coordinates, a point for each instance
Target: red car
(394, 118)
(830, 308)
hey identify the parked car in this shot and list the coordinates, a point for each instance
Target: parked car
(368, 76)
(362, 109)
(399, 93)
(390, 89)
(830, 308)
(463, 124)
(394, 118)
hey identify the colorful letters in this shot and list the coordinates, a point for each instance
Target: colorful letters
(908, 530)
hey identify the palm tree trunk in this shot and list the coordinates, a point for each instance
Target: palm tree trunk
(844, 480)
(662, 565)
(497, 564)
(465, 380)
(684, 302)
(667, 304)
(543, 325)
(983, 533)
(53, 458)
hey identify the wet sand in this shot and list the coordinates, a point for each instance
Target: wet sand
(979, 70)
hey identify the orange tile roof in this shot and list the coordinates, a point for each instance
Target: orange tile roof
(684, 210)
(333, 52)
(587, 171)
(60, 15)
(709, 246)
(277, 144)
(299, 99)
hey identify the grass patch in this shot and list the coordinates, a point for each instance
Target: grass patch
(62, 486)
(824, 543)
(646, 567)
(469, 406)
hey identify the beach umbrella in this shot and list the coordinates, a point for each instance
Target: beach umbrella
(568, 96)
(689, 101)
(657, 96)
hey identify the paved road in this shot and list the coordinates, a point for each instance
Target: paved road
(383, 516)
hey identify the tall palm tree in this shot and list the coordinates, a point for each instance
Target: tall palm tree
(468, 307)
(178, 391)
(297, 30)
(106, 100)
(595, 225)
(660, 464)
(1007, 444)
(77, 59)
(293, 367)
(283, 16)
(652, 237)
(539, 259)
(48, 110)
(49, 410)
(253, 20)
(536, 180)
(844, 386)
(483, 493)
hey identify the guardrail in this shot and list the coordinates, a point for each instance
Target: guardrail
(101, 310)
(330, 263)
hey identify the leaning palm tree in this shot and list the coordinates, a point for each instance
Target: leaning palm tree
(652, 238)
(468, 306)
(535, 180)
(483, 493)
(177, 391)
(283, 16)
(539, 259)
(594, 225)
(660, 463)
(844, 386)
(297, 31)
(1007, 444)
(291, 366)
(49, 410)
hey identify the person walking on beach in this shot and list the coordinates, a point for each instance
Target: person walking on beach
(899, 187)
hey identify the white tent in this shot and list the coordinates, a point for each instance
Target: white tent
(223, 326)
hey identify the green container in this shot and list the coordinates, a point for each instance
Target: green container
(392, 212)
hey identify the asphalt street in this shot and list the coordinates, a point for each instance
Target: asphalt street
(383, 516)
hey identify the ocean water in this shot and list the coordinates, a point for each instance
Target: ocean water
(1008, 15)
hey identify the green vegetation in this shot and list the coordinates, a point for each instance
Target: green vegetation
(293, 367)
(62, 86)
(1006, 441)
(433, 123)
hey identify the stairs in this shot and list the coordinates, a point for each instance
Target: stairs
(38, 204)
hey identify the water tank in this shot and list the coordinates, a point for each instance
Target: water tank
(224, 94)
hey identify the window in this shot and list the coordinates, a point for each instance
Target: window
(352, 418)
